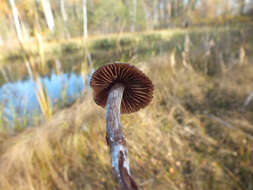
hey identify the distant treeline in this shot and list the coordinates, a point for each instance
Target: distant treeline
(71, 18)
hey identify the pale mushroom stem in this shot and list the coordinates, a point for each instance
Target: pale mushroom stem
(116, 141)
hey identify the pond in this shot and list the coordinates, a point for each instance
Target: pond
(20, 97)
(63, 80)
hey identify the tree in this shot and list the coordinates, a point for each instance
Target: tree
(16, 20)
(64, 17)
(134, 15)
(85, 20)
(63, 11)
(166, 10)
(48, 14)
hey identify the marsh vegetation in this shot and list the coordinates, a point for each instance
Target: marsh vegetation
(197, 133)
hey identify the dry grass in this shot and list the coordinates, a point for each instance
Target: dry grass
(181, 141)
(43, 99)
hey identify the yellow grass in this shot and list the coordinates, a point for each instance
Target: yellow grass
(173, 143)
(43, 99)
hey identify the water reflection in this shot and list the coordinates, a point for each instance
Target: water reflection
(20, 98)
(62, 78)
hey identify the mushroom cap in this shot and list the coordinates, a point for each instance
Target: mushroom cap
(138, 88)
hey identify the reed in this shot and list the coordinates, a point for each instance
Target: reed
(41, 51)
(190, 149)
(196, 133)
(43, 99)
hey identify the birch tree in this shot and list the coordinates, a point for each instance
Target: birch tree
(134, 16)
(166, 10)
(155, 13)
(64, 17)
(48, 14)
(63, 11)
(85, 20)
(16, 20)
(161, 10)
(147, 14)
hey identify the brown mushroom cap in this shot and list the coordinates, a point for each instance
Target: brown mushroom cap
(138, 91)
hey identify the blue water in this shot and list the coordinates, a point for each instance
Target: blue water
(20, 98)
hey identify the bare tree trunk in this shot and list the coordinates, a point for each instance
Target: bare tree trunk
(173, 11)
(174, 8)
(85, 20)
(169, 13)
(166, 10)
(16, 20)
(161, 10)
(134, 16)
(64, 18)
(116, 140)
(155, 13)
(48, 14)
(63, 11)
(147, 15)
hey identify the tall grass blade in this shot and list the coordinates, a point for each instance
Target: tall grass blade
(43, 99)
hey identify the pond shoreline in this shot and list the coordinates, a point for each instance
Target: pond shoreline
(58, 47)
(204, 50)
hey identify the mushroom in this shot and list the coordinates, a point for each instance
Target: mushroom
(120, 88)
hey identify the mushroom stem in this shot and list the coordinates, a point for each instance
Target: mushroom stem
(116, 141)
